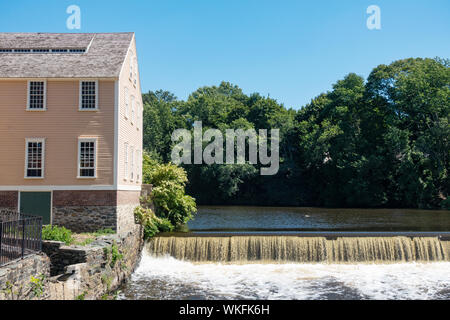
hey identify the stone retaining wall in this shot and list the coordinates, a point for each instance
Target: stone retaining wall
(16, 277)
(74, 272)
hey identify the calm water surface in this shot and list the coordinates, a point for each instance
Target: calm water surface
(318, 219)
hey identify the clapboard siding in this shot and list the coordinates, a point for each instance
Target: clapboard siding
(61, 125)
(129, 132)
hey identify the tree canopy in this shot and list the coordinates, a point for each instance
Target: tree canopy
(380, 142)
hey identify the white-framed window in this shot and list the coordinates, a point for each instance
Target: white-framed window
(135, 71)
(125, 159)
(138, 165)
(127, 102)
(87, 158)
(133, 106)
(131, 66)
(138, 115)
(132, 163)
(34, 158)
(88, 95)
(37, 95)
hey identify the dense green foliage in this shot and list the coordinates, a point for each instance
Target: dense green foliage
(380, 142)
(173, 207)
(55, 233)
(168, 193)
(151, 223)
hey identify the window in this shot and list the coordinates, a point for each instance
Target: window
(138, 167)
(125, 172)
(59, 50)
(36, 95)
(131, 66)
(87, 149)
(34, 159)
(88, 95)
(43, 50)
(135, 71)
(132, 109)
(138, 112)
(127, 102)
(132, 164)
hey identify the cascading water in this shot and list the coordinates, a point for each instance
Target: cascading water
(233, 253)
(244, 249)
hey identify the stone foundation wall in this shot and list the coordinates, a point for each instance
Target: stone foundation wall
(84, 211)
(125, 218)
(9, 200)
(85, 218)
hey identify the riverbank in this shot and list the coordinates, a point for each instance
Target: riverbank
(63, 272)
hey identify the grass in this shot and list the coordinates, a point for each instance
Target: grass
(80, 239)
(86, 238)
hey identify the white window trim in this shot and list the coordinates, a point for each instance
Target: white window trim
(138, 165)
(125, 162)
(132, 174)
(127, 102)
(45, 95)
(135, 71)
(27, 140)
(80, 100)
(138, 115)
(131, 67)
(80, 140)
(133, 109)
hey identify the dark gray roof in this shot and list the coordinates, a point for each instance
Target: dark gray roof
(104, 56)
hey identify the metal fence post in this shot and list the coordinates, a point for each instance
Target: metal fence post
(1, 242)
(23, 238)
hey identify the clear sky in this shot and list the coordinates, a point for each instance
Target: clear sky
(292, 50)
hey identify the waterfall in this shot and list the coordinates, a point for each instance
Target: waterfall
(235, 249)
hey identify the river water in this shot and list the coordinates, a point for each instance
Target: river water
(161, 276)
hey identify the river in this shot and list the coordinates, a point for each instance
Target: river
(263, 253)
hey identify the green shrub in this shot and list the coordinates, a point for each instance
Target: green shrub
(151, 223)
(115, 255)
(37, 285)
(168, 194)
(56, 233)
(164, 225)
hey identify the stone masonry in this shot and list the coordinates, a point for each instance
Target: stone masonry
(73, 272)
(87, 211)
(9, 200)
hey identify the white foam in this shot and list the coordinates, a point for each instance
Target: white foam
(298, 281)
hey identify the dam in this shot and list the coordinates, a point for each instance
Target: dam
(301, 249)
(299, 253)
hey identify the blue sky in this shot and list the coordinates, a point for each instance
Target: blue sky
(292, 50)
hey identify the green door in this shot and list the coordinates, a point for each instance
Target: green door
(37, 203)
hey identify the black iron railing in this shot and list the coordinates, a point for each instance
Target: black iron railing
(20, 235)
